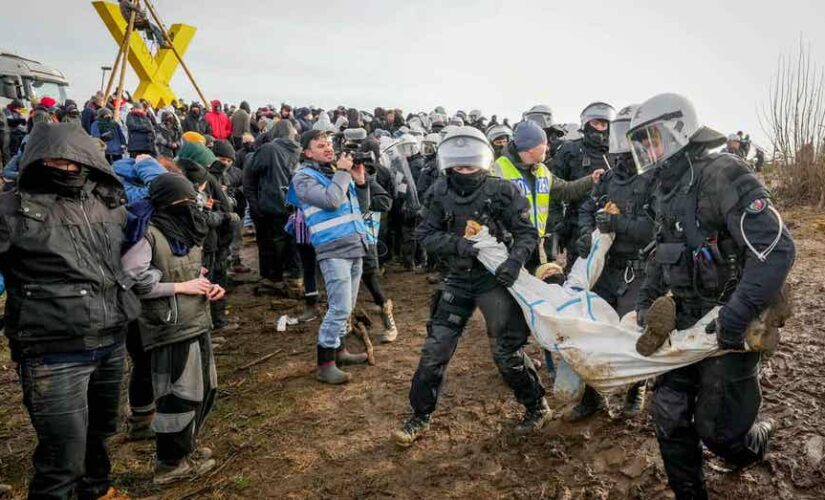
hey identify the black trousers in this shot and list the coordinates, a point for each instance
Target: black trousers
(614, 289)
(507, 332)
(276, 248)
(217, 263)
(714, 402)
(141, 396)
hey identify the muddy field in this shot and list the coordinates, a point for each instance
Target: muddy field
(277, 433)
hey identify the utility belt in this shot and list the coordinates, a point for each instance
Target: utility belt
(710, 272)
(632, 267)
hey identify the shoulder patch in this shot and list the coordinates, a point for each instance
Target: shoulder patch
(757, 206)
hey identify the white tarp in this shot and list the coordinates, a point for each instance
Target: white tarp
(586, 331)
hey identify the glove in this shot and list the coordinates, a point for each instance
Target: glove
(507, 272)
(641, 317)
(466, 248)
(583, 244)
(607, 223)
(726, 340)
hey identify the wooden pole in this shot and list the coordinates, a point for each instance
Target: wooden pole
(125, 57)
(113, 73)
(171, 45)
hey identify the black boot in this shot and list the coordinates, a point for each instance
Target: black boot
(591, 403)
(535, 418)
(634, 400)
(411, 430)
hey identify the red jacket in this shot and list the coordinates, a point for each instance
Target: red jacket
(220, 123)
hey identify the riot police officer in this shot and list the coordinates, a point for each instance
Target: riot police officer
(719, 241)
(468, 192)
(576, 159)
(499, 136)
(542, 115)
(623, 272)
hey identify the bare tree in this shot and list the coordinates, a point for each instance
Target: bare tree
(793, 118)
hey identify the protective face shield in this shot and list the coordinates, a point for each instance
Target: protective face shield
(457, 121)
(465, 147)
(597, 111)
(446, 130)
(618, 130)
(474, 115)
(429, 145)
(407, 146)
(662, 127)
(541, 114)
(498, 131)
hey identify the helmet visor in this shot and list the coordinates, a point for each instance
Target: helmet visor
(653, 144)
(543, 120)
(464, 152)
(618, 137)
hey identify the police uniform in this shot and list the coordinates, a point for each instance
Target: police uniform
(718, 242)
(497, 204)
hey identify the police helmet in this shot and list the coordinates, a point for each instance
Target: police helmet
(618, 130)
(597, 111)
(541, 114)
(497, 131)
(465, 147)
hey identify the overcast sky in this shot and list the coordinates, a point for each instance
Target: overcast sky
(501, 57)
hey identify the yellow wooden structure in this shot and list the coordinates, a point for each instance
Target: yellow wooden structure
(154, 71)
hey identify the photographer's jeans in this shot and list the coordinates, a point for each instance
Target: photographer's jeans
(341, 279)
(73, 408)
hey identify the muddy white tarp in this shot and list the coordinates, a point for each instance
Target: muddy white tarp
(586, 331)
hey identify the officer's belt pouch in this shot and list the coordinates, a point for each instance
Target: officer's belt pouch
(669, 256)
(763, 332)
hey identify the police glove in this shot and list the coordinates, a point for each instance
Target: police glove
(607, 223)
(466, 248)
(507, 272)
(583, 244)
(727, 341)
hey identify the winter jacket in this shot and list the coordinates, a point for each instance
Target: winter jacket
(67, 291)
(196, 123)
(89, 116)
(115, 139)
(219, 122)
(168, 139)
(240, 123)
(136, 176)
(267, 177)
(141, 130)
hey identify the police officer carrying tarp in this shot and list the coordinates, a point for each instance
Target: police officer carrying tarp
(719, 241)
(468, 192)
(620, 190)
(574, 160)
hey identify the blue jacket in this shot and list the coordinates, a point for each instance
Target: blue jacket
(116, 145)
(137, 176)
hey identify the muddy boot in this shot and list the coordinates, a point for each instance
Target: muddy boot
(634, 400)
(390, 331)
(535, 418)
(139, 427)
(345, 358)
(5, 491)
(238, 267)
(328, 372)
(188, 468)
(661, 320)
(434, 278)
(311, 312)
(295, 288)
(591, 403)
(268, 287)
(412, 429)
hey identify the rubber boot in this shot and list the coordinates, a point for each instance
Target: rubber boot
(328, 372)
(311, 312)
(591, 403)
(534, 418)
(634, 400)
(660, 321)
(344, 358)
(390, 330)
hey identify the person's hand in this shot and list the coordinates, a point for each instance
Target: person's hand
(583, 244)
(597, 174)
(140, 158)
(726, 340)
(216, 292)
(197, 286)
(606, 222)
(233, 218)
(507, 273)
(359, 174)
(210, 202)
(466, 248)
(344, 162)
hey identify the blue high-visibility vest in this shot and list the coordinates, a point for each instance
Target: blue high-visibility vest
(326, 226)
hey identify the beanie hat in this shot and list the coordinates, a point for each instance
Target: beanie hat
(193, 137)
(528, 135)
(103, 113)
(47, 102)
(196, 174)
(223, 149)
(196, 152)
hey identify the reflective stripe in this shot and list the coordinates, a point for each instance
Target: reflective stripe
(309, 212)
(538, 198)
(337, 221)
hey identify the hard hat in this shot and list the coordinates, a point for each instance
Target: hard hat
(465, 147)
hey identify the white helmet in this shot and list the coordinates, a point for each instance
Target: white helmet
(474, 115)
(497, 131)
(465, 147)
(541, 114)
(446, 130)
(457, 121)
(618, 130)
(597, 111)
(734, 138)
(407, 145)
(663, 126)
(430, 144)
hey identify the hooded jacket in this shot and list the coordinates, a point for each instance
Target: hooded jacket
(67, 291)
(196, 123)
(241, 122)
(266, 178)
(141, 131)
(219, 122)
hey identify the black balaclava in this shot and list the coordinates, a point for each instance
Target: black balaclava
(595, 139)
(183, 222)
(58, 181)
(466, 184)
(623, 164)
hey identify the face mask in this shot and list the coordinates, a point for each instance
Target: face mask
(465, 184)
(63, 182)
(596, 139)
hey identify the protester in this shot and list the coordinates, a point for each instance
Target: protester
(218, 121)
(141, 129)
(110, 132)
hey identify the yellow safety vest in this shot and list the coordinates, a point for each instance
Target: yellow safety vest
(538, 196)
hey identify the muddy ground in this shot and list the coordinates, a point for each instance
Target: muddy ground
(277, 433)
